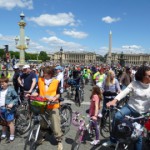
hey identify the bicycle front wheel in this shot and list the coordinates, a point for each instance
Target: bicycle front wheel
(23, 120)
(66, 118)
(31, 141)
(78, 140)
(104, 125)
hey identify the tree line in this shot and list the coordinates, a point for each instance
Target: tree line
(28, 56)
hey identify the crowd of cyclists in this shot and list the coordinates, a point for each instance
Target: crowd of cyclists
(110, 85)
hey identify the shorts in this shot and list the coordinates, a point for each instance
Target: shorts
(8, 115)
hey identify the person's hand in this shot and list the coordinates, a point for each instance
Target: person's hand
(52, 99)
(61, 90)
(34, 94)
(111, 103)
(94, 117)
(9, 105)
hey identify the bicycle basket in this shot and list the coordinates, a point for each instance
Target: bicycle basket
(123, 130)
(77, 120)
(38, 105)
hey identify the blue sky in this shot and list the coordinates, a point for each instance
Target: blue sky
(78, 25)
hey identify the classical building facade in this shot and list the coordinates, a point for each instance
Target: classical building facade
(131, 59)
(75, 57)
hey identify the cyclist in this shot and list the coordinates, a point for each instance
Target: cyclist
(126, 78)
(60, 77)
(110, 88)
(15, 78)
(96, 97)
(139, 101)
(48, 88)
(27, 80)
(8, 103)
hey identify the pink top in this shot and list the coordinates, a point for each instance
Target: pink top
(92, 106)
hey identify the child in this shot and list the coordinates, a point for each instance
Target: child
(9, 100)
(96, 97)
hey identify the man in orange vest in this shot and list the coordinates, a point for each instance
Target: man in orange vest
(49, 89)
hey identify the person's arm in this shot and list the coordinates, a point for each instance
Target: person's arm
(14, 98)
(121, 95)
(19, 81)
(32, 85)
(96, 101)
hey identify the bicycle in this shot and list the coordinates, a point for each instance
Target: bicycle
(84, 128)
(24, 110)
(129, 129)
(18, 119)
(40, 114)
(76, 86)
(107, 117)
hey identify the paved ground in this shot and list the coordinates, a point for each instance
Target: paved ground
(68, 139)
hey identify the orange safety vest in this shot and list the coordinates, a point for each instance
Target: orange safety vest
(52, 89)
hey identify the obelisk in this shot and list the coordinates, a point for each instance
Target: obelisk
(110, 49)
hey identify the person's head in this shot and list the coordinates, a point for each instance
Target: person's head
(96, 90)
(26, 69)
(143, 74)
(128, 69)
(101, 70)
(110, 79)
(4, 82)
(58, 69)
(48, 72)
(16, 68)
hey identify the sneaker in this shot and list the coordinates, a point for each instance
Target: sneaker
(60, 146)
(108, 144)
(95, 142)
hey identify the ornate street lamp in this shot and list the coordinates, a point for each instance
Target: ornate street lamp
(22, 41)
(61, 51)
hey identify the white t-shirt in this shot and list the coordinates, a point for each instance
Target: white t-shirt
(2, 97)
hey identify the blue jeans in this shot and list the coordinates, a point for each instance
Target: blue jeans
(126, 110)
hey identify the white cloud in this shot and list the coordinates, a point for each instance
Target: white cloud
(55, 43)
(75, 34)
(10, 4)
(60, 19)
(109, 19)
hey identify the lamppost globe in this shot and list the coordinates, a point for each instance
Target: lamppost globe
(27, 40)
(61, 50)
(16, 40)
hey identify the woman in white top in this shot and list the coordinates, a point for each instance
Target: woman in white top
(139, 101)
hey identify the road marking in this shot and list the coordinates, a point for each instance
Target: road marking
(71, 102)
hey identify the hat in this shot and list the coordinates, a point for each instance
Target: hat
(58, 68)
(15, 67)
(25, 67)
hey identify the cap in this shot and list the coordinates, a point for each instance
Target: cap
(15, 67)
(25, 67)
(58, 68)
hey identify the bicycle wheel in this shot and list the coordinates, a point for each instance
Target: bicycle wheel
(66, 117)
(104, 125)
(78, 140)
(23, 120)
(81, 95)
(77, 98)
(30, 143)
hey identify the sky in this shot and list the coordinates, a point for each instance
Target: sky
(78, 25)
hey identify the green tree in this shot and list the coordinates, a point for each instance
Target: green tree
(43, 56)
